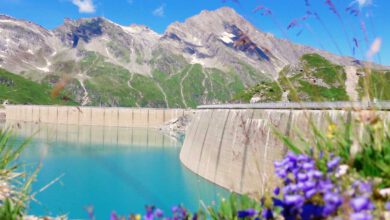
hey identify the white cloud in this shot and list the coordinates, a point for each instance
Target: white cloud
(363, 3)
(85, 6)
(160, 11)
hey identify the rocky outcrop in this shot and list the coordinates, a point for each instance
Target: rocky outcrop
(215, 39)
(177, 127)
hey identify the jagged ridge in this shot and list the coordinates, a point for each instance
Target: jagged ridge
(206, 59)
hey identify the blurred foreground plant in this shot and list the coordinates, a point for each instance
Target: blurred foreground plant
(14, 186)
(361, 141)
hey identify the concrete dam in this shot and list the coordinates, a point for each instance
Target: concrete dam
(235, 146)
(93, 116)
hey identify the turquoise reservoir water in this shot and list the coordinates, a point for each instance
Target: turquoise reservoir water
(111, 169)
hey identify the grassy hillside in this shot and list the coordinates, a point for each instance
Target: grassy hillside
(107, 84)
(18, 90)
(317, 79)
(111, 85)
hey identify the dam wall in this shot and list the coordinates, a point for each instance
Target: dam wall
(2, 115)
(235, 146)
(87, 135)
(93, 116)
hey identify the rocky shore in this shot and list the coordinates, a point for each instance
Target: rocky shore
(177, 127)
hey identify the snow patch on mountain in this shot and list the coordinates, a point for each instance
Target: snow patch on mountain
(227, 37)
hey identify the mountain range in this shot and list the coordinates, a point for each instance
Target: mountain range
(213, 57)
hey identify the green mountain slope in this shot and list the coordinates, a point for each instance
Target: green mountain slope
(316, 79)
(106, 84)
(18, 90)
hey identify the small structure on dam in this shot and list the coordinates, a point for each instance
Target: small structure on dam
(235, 146)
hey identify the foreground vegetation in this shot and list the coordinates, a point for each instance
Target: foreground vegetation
(342, 172)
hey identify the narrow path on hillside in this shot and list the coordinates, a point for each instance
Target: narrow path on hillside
(164, 94)
(131, 87)
(204, 80)
(210, 80)
(181, 86)
(206, 91)
(85, 98)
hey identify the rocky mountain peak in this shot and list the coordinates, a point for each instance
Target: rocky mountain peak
(8, 22)
(5, 17)
(221, 42)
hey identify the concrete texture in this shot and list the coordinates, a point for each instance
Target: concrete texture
(111, 117)
(101, 136)
(2, 115)
(235, 148)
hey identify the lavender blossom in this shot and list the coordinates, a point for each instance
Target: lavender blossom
(247, 213)
(387, 206)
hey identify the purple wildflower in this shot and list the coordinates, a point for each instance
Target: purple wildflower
(308, 166)
(159, 213)
(365, 188)
(263, 10)
(361, 203)
(258, 8)
(247, 213)
(149, 213)
(353, 10)
(277, 191)
(292, 24)
(294, 200)
(302, 177)
(332, 164)
(387, 206)
(332, 7)
(175, 209)
(360, 216)
(113, 216)
(267, 214)
(310, 193)
(314, 174)
(355, 41)
(333, 198)
(307, 3)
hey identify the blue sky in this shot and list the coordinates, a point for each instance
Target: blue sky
(333, 34)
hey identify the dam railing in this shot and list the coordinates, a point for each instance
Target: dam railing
(94, 116)
(342, 105)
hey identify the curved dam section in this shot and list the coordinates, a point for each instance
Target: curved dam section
(235, 146)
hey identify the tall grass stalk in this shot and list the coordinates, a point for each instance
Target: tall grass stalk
(14, 185)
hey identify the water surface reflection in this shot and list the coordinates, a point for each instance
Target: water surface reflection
(119, 169)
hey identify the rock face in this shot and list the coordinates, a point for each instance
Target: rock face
(95, 52)
(177, 127)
